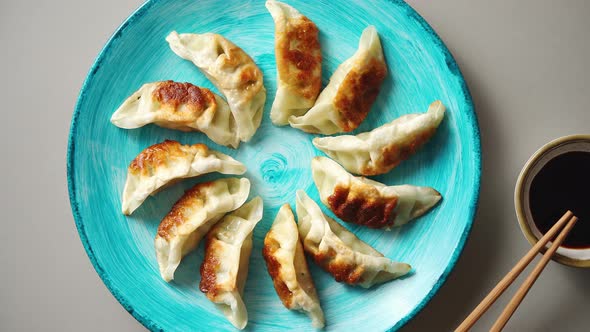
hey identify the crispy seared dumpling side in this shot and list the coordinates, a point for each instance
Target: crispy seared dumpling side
(347, 258)
(165, 163)
(225, 267)
(353, 88)
(299, 62)
(288, 268)
(366, 202)
(192, 216)
(381, 149)
(231, 70)
(180, 106)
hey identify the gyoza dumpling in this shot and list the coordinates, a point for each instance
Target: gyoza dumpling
(366, 202)
(225, 266)
(288, 269)
(180, 106)
(231, 70)
(192, 216)
(164, 163)
(299, 63)
(381, 149)
(354, 86)
(347, 258)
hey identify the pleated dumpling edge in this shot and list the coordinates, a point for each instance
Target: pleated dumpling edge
(341, 253)
(299, 62)
(380, 150)
(353, 88)
(225, 266)
(231, 70)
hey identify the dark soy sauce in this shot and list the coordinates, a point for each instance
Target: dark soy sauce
(563, 184)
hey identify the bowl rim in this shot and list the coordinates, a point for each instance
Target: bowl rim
(519, 197)
(472, 206)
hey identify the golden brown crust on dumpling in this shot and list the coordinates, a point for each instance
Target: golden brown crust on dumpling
(300, 58)
(191, 200)
(196, 102)
(171, 94)
(394, 154)
(209, 268)
(363, 205)
(162, 154)
(274, 266)
(342, 270)
(358, 92)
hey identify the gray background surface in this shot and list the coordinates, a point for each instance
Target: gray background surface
(526, 63)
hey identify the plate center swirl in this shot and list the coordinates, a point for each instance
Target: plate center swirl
(278, 163)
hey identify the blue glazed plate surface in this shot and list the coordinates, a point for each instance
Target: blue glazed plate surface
(121, 249)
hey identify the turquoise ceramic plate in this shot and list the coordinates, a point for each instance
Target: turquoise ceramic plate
(122, 250)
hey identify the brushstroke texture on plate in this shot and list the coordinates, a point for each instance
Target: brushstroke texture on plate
(121, 249)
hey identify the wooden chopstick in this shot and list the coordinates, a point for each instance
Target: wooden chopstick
(530, 280)
(485, 304)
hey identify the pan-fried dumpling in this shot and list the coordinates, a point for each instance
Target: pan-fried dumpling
(288, 269)
(347, 258)
(164, 163)
(353, 88)
(231, 70)
(366, 202)
(299, 62)
(380, 150)
(225, 266)
(192, 216)
(180, 106)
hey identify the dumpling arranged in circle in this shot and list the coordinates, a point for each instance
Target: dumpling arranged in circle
(286, 264)
(353, 88)
(231, 70)
(180, 106)
(366, 202)
(346, 257)
(227, 255)
(164, 163)
(192, 216)
(299, 62)
(381, 149)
